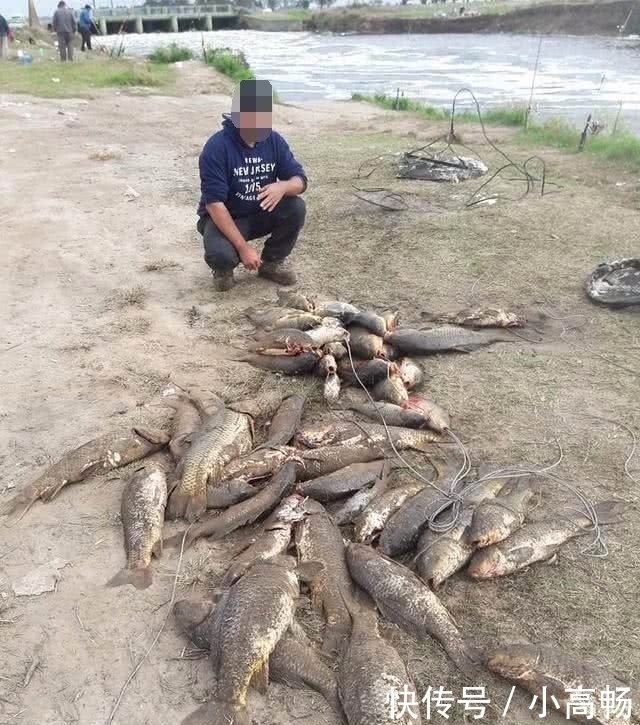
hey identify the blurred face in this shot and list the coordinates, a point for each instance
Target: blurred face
(251, 110)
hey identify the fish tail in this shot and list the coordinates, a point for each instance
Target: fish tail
(140, 578)
(185, 505)
(218, 713)
(467, 658)
(175, 542)
(152, 435)
(19, 504)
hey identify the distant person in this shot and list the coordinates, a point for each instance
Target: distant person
(64, 25)
(4, 38)
(85, 26)
(250, 183)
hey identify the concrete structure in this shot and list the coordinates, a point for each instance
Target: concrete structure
(166, 19)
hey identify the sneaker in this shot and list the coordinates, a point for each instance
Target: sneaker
(223, 280)
(278, 272)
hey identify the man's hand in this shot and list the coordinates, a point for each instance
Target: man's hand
(270, 195)
(249, 257)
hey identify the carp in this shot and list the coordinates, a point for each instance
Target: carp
(405, 600)
(285, 421)
(335, 309)
(260, 463)
(142, 509)
(365, 344)
(105, 453)
(368, 321)
(391, 390)
(327, 365)
(347, 434)
(480, 317)
(442, 339)
(223, 494)
(186, 421)
(285, 341)
(276, 317)
(300, 321)
(299, 364)
(342, 482)
(336, 349)
(362, 498)
(221, 438)
(321, 461)
(295, 300)
(261, 406)
(374, 517)
(325, 335)
(436, 417)
(537, 541)
(331, 388)
(243, 513)
(393, 414)
(410, 372)
(494, 520)
(368, 372)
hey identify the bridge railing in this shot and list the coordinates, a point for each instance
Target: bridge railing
(163, 10)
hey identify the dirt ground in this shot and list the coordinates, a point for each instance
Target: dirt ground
(107, 301)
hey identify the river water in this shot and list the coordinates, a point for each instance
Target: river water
(498, 69)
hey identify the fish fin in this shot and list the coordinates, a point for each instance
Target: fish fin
(187, 506)
(50, 493)
(218, 713)
(140, 578)
(155, 436)
(260, 677)
(156, 549)
(309, 571)
(19, 504)
(609, 512)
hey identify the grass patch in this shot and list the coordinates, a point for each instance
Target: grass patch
(230, 63)
(171, 54)
(159, 265)
(401, 103)
(105, 155)
(505, 116)
(134, 297)
(49, 79)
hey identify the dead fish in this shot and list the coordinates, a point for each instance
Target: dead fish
(342, 482)
(368, 372)
(300, 321)
(372, 673)
(403, 599)
(260, 463)
(245, 627)
(324, 335)
(222, 494)
(105, 453)
(374, 517)
(286, 340)
(220, 439)
(393, 414)
(319, 540)
(542, 669)
(347, 434)
(273, 540)
(335, 309)
(364, 344)
(336, 349)
(391, 319)
(142, 509)
(537, 541)
(410, 372)
(327, 365)
(186, 421)
(285, 421)
(440, 555)
(292, 662)
(296, 300)
(243, 513)
(331, 388)
(391, 390)
(267, 315)
(260, 407)
(436, 417)
(368, 321)
(480, 317)
(442, 339)
(362, 498)
(322, 461)
(496, 519)
(285, 364)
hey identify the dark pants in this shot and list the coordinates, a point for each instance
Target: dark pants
(86, 38)
(65, 46)
(283, 224)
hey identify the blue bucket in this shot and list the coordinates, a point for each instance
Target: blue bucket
(26, 59)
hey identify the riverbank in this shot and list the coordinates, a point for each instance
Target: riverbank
(106, 301)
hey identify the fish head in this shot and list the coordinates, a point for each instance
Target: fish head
(514, 663)
(491, 523)
(330, 322)
(189, 613)
(331, 389)
(291, 509)
(488, 563)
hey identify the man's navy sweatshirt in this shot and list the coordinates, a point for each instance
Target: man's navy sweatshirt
(231, 170)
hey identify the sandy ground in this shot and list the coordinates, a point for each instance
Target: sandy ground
(90, 339)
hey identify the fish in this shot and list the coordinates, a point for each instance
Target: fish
(186, 421)
(285, 364)
(494, 520)
(222, 494)
(260, 463)
(361, 499)
(391, 319)
(327, 365)
(442, 339)
(331, 387)
(480, 317)
(374, 517)
(391, 390)
(318, 539)
(364, 344)
(334, 309)
(537, 541)
(243, 513)
(322, 461)
(410, 372)
(115, 449)
(300, 321)
(247, 623)
(266, 317)
(292, 662)
(372, 674)
(221, 438)
(283, 341)
(295, 300)
(324, 335)
(342, 482)
(541, 669)
(274, 538)
(348, 433)
(143, 503)
(368, 321)
(369, 372)
(285, 421)
(405, 600)
(393, 414)
(336, 349)
(260, 407)
(440, 555)
(436, 417)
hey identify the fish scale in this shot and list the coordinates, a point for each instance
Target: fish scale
(442, 339)
(375, 516)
